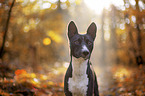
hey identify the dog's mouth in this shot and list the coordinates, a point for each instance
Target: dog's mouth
(82, 56)
(85, 56)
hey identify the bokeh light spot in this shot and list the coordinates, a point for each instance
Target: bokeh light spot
(46, 41)
(26, 28)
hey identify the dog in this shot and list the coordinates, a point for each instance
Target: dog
(80, 79)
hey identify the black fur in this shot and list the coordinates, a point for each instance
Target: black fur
(76, 43)
(67, 76)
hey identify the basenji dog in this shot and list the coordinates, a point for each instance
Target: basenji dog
(80, 79)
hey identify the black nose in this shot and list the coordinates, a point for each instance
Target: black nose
(85, 53)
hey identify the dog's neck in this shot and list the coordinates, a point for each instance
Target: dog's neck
(79, 66)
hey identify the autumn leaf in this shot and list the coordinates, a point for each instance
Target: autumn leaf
(45, 86)
(120, 85)
(61, 84)
(20, 71)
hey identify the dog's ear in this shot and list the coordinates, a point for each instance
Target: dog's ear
(72, 29)
(92, 30)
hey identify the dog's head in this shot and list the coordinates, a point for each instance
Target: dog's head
(81, 45)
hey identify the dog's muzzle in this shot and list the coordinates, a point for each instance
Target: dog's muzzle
(85, 54)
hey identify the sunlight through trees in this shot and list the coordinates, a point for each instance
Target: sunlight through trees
(35, 49)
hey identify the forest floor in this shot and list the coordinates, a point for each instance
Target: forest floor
(114, 81)
(123, 81)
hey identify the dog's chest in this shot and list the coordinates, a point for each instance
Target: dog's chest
(78, 85)
(79, 81)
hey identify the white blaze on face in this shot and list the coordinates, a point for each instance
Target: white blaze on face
(84, 48)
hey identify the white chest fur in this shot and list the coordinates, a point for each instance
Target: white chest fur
(79, 81)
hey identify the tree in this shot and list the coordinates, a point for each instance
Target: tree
(103, 48)
(133, 17)
(6, 30)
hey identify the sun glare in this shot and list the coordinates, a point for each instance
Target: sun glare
(98, 5)
(107, 36)
(46, 5)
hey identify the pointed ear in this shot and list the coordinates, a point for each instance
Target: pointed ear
(92, 30)
(72, 29)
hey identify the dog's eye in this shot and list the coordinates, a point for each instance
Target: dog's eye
(89, 43)
(76, 42)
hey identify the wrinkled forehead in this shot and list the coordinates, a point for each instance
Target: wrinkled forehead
(81, 37)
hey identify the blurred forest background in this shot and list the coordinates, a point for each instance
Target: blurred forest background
(34, 49)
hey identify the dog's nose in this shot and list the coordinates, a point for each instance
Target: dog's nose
(85, 53)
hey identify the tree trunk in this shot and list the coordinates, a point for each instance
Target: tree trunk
(103, 40)
(113, 39)
(139, 59)
(6, 30)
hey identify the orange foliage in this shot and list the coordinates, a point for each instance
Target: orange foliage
(10, 3)
(120, 85)
(61, 84)
(2, 93)
(20, 72)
